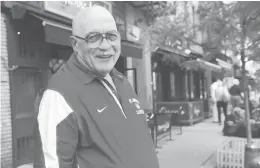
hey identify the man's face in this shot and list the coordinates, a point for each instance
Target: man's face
(99, 54)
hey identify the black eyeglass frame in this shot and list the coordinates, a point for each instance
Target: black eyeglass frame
(104, 36)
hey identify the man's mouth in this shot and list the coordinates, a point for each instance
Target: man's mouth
(104, 56)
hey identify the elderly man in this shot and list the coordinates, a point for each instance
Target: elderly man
(89, 116)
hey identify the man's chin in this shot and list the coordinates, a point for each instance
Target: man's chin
(103, 72)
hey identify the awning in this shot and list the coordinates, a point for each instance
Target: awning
(58, 33)
(170, 54)
(166, 49)
(55, 32)
(129, 49)
(225, 65)
(201, 64)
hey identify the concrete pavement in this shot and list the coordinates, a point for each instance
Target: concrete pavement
(193, 148)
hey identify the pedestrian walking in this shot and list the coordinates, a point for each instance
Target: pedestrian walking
(90, 116)
(222, 97)
(213, 88)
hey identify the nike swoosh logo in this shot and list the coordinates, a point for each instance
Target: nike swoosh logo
(101, 110)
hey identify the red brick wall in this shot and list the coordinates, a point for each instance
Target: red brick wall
(6, 124)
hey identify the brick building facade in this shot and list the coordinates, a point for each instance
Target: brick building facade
(6, 123)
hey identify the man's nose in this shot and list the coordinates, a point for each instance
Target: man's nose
(104, 44)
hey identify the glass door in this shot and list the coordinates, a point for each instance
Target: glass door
(172, 85)
(132, 76)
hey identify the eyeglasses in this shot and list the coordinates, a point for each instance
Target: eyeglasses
(95, 39)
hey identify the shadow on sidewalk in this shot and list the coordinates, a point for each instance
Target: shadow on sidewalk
(210, 162)
(166, 138)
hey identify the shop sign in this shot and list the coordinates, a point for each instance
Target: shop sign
(179, 110)
(69, 9)
(133, 33)
(166, 109)
(172, 108)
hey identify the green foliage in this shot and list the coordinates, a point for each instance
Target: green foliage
(174, 29)
(228, 26)
(225, 24)
(155, 9)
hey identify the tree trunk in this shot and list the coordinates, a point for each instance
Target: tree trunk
(245, 83)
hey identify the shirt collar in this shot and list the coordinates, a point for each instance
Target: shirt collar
(85, 76)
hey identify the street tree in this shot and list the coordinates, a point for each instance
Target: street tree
(170, 25)
(221, 22)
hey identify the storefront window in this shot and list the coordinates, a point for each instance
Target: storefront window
(198, 85)
(172, 82)
(192, 86)
(202, 88)
(131, 76)
(159, 87)
(154, 80)
(205, 86)
(186, 81)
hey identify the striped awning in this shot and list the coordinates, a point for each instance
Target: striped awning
(170, 54)
(200, 64)
(227, 66)
(55, 33)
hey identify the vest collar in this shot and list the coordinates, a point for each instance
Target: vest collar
(84, 75)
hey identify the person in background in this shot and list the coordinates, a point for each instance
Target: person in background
(222, 98)
(90, 116)
(213, 88)
(234, 124)
(54, 66)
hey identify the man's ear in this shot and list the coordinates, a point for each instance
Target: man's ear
(73, 42)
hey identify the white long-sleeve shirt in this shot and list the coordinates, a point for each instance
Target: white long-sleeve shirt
(219, 92)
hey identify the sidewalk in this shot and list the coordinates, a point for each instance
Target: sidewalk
(193, 148)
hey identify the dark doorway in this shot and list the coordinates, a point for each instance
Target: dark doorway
(30, 52)
(129, 73)
(62, 52)
(121, 65)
